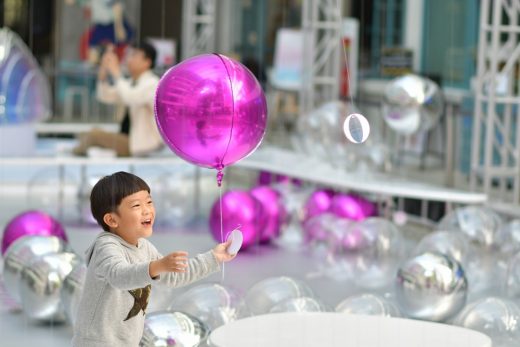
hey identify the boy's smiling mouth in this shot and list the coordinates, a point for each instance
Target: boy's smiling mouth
(147, 222)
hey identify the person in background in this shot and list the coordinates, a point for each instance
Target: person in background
(139, 135)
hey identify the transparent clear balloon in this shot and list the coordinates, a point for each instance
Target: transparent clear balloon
(431, 286)
(319, 133)
(512, 282)
(21, 253)
(213, 304)
(368, 304)
(266, 294)
(40, 285)
(25, 91)
(373, 249)
(174, 197)
(454, 244)
(71, 291)
(412, 103)
(325, 235)
(43, 194)
(508, 237)
(171, 328)
(496, 317)
(479, 223)
(84, 190)
(304, 304)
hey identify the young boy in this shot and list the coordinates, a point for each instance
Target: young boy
(122, 265)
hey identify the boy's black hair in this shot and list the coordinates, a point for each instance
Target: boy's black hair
(109, 191)
(148, 50)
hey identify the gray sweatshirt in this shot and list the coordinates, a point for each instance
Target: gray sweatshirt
(117, 287)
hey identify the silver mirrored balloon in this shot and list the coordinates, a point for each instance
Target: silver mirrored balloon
(41, 283)
(496, 317)
(21, 253)
(71, 291)
(171, 328)
(320, 134)
(266, 294)
(368, 304)
(508, 237)
(373, 250)
(431, 286)
(412, 103)
(451, 243)
(304, 304)
(213, 304)
(479, 223)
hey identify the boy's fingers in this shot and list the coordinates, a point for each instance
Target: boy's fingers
(180, 253)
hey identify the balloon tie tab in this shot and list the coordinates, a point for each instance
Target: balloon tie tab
(220, 176)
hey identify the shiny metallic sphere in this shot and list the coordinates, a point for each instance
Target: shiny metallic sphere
(41, 283)
(172, 328)
(412, 103)
(21, 253)
(431, 286)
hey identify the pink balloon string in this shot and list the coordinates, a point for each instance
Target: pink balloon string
(221, 166)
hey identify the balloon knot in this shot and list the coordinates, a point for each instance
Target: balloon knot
(220, 175)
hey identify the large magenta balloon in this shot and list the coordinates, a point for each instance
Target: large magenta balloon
(318, 202)
(211, 110)
(352, 206)
(273, 209)
(31, 223)
(239, 210)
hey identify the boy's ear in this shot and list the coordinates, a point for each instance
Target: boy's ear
(110, 220)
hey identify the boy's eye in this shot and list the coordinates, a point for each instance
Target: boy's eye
(150, 202)
(136, 205)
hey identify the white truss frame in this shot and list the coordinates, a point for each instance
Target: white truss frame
(496, 110)
(321, 24)
(198, 27)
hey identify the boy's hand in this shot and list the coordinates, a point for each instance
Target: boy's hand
(173, 262)
(220, 252)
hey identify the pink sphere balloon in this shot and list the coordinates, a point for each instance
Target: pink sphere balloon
(210, 110)
(240, 210)
(353, 207)
(31, 223)
(273, 209)
(267, 178)
(318, 202)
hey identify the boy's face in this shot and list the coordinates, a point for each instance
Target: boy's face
(134, 217)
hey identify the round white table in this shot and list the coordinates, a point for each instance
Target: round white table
(340, 329)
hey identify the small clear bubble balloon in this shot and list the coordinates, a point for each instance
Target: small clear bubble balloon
(356, 128)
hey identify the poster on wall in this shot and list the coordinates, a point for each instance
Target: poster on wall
(396, 61)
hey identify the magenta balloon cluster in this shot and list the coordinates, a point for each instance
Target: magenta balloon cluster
(258, 213)
(349, 206)
(31, 223)
(211, 111)
(324, 207)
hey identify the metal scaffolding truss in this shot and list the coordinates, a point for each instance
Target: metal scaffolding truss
(198, 27)
(495, 161)
(321, 24)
